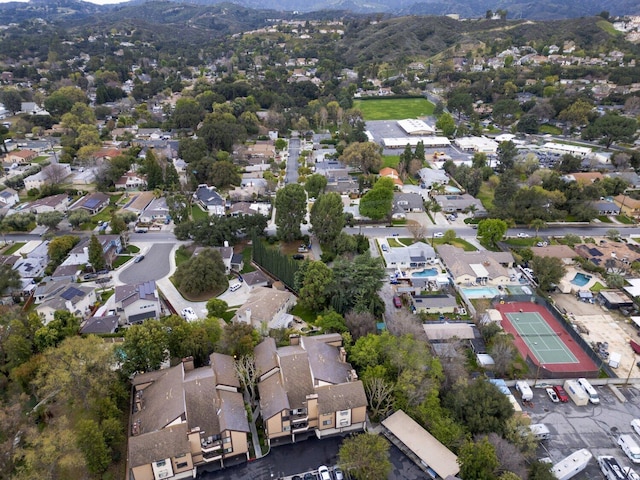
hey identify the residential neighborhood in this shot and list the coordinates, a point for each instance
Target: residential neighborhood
(377, 247)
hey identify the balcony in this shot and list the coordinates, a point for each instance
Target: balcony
(299, 427)
(212, 457)
(211, 446)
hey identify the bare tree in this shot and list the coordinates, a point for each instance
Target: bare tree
(453, 363)
(417, 230)
(403, 322)
(379, 392)
(248, 374)
(503, 353)
(54, 173)
(360, 324)
(511, 459)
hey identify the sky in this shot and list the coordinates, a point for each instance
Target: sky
(98, 2)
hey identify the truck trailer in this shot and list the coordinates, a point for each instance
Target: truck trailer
(525, 390)
(572, 465)
(576, 393)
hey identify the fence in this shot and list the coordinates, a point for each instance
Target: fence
(582, 343)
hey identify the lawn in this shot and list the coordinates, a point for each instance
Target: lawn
(14, 248)
(131, 249)
(121, 260)
(390, 161)
(626, 220)
(182, 255)
(394, 108)
(197, 213)
(393, 243)
(246, 260)
(597, 287)
(486, 196)
(306, 315)
(458, 242)
(550, 129)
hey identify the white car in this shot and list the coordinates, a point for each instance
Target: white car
(324, 473)
(438, 235)
(188, 314)
(552, 395)
(523, 235)
(635, 424)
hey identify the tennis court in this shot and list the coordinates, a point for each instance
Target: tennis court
(543, 342)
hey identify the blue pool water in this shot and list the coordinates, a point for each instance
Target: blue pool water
(481, 292)
(450, 189)
(581, 279)
(427, 272)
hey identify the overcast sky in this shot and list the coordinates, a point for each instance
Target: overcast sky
(99, 2)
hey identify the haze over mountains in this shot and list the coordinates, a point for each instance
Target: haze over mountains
(541, 10)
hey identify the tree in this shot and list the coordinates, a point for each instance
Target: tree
(62, 100)
(492, 230)
(9, 279)
(327, 218)
(503, 352)
(548, 271)
(577, 114)
(365, 156)
(540, 471)
(505, 111)
(78, 217)
(96, 254)
(507, 153)
(18, 221)
(202, 273)
(356, 285)
(49, 219)
(313, 280)
(537, 224)
(248, 374)
(117, 224)
(418, 231)
(360, 324)
(611, 128)
(315, 185)
(613, 234)
(449, 236)
(187, 114)
(528, 123)
(379, 395)
(238, 340)
(216, 307)
(92, 444)
(331, 322)
(478, 460)
(145, 347)
(572, 239)
(446, 124)
(223, 174)
(291, 206)
(365, 456)
(11, 99)
(377, 202)
(153, 171)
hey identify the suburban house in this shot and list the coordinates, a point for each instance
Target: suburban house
(136, 303)
(605, 207)
(443, 303)
(8, 197)
(583, 178)
(267, 308)
(393, 174)
(76, 300)
(459, 203)
(106, 153)
(260, 152)
(248, 208)
(232, 261)
(187, 420)
(307, 389)
(431, 176)
(67, 273)
(33, 265)
(563, 252)
(131, 181)
(20, 157)
(481, 268)
(92, 203)
(210, 200)
(628, 206)
(404, 203)
(156, 211)
(106, 324)
(140, 202)
(54, 203)
(417, 255)
(256, 279)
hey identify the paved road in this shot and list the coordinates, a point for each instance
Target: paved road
(156, 264)
(292, 161)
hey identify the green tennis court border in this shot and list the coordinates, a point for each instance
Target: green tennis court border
(544, 343)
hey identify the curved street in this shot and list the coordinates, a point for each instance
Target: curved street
(156, 264)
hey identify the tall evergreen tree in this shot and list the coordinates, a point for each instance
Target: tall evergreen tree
(152, 169)
(96, 257)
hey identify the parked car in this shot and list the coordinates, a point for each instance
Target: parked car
(635, 424)
(397, 302)
(298, 256)
(523, 235)
(188, 314)
(438, 235)
(89, 276)
(552, 395)
(138, 259)
(309, 476)
(562, 395)
(338, 473)
(323, 471)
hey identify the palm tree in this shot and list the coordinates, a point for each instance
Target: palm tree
(537, 224)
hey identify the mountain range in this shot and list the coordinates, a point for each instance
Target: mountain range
(55, 10)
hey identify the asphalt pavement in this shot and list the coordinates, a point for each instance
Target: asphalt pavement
(156, 264)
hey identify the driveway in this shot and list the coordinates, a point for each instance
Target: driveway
(156, 265)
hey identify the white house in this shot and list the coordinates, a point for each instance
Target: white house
(136, 303)
(8, 197)
(73, 299)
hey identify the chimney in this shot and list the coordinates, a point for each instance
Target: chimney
(187, 364)
(353, 376)
(343, 355)
(226, 243)
(86, 251)
(294, 339)
(247, 315)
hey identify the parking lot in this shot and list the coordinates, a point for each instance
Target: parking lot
(594, 427)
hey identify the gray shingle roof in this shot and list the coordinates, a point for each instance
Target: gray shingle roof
(154, 446)
(273, 397)
(345, 396)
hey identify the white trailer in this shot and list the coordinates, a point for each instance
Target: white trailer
(540, 431)
(612, 470)
(572, 465)
(576, 393)
(525, 390)
(614, 359)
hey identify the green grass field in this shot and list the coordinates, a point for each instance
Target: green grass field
(390, 161)
(394, 108)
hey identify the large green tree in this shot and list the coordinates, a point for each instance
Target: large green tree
(49, 219)
(9, 279)
(315, 185)
(356, 284)
(365, 156)
(202, 273)
(611, 128)
(313, 280)
(291, 207)
(478, 460)
(96, 254)
(327, 218)
(365, 456)
(548, 270)
(377, 202)
(223, 174)
(145, 347)
(492, 230)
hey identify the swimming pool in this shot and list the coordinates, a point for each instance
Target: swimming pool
(480, 292)
(450, 189)
(427, 272)
(581, 279)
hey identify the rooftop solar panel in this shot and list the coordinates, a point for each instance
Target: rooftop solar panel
(595, 252)
(92, 203)
(71, 292)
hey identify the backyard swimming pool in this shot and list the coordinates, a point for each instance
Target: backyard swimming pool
(450, 189)
(481, 292)
(581, 279)
(427, 272)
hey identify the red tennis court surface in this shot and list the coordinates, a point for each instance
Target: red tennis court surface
(585, 366)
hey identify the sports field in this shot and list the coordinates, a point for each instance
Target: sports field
(394, 108)
(543, 342)
(547, 343)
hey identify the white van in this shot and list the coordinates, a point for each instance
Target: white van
(235, 286)
(589, 390)
(629, 447)
(525, 390)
